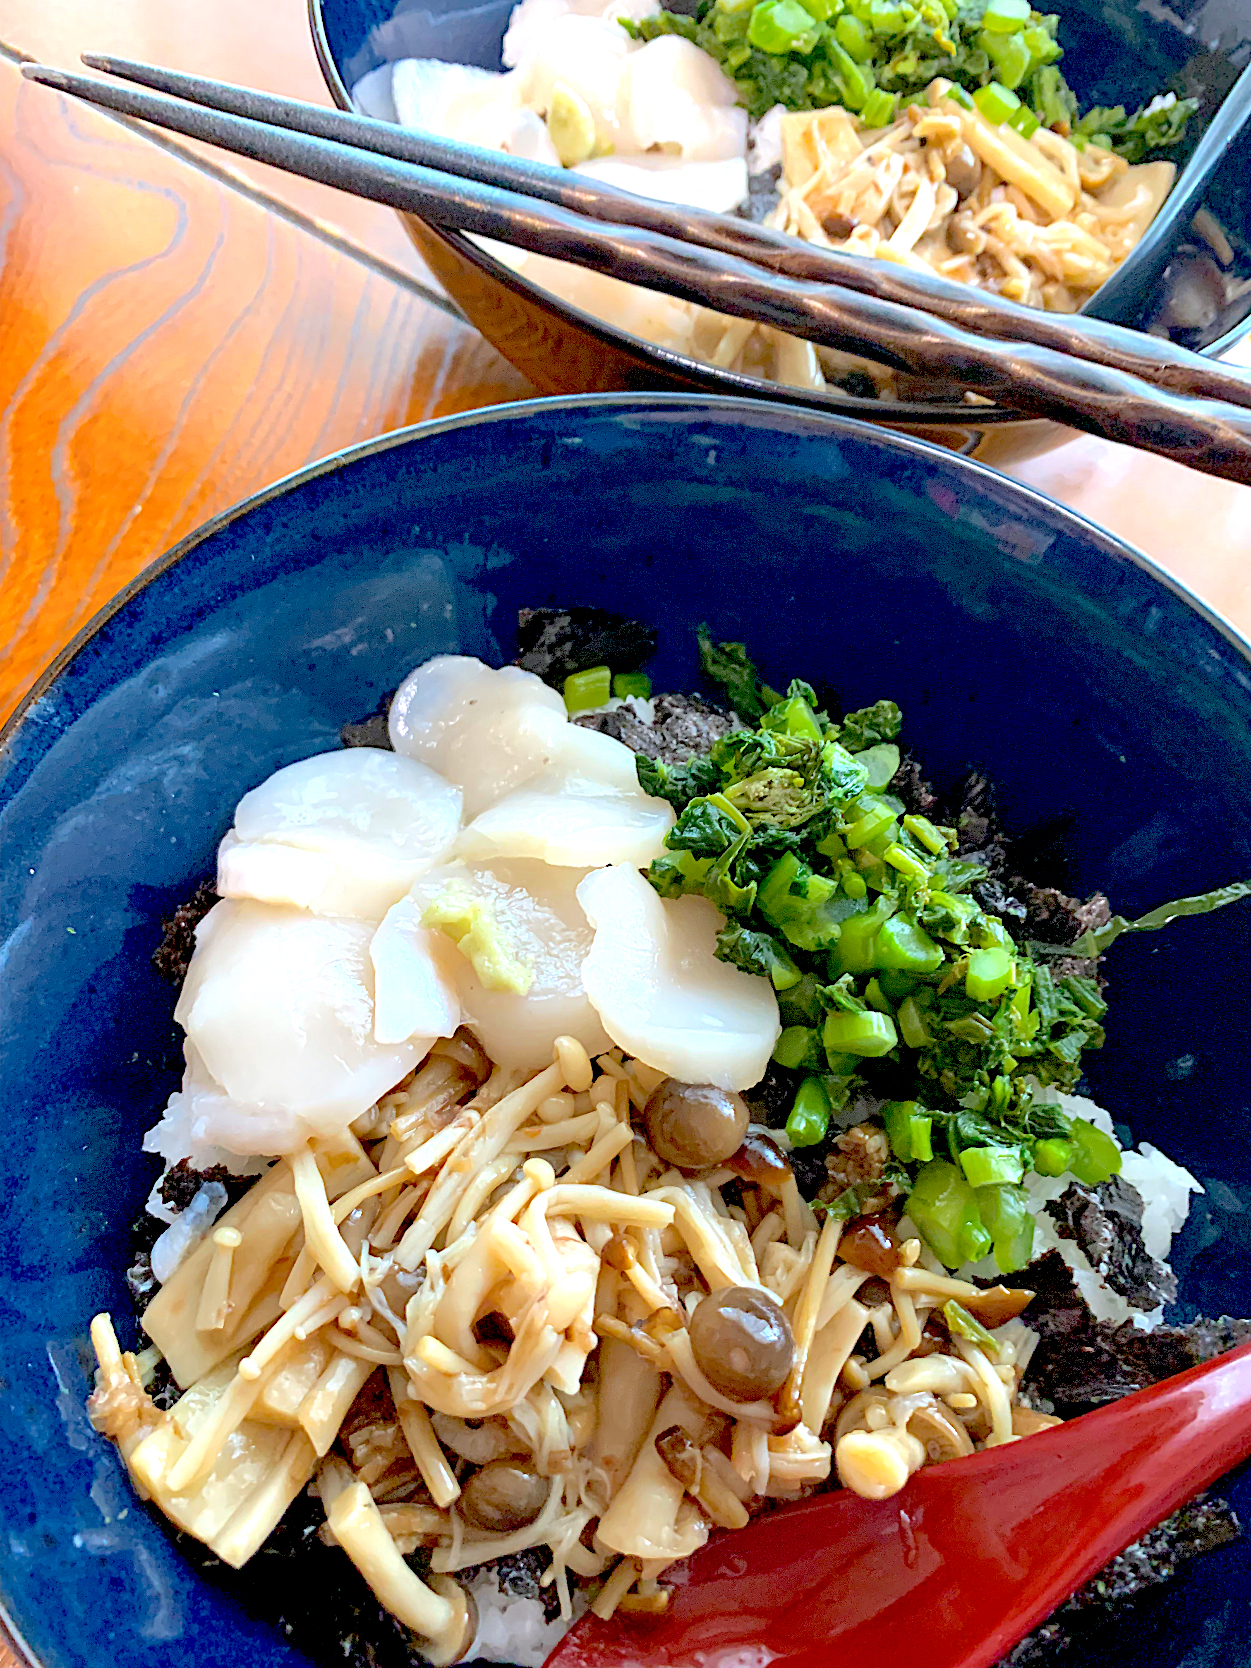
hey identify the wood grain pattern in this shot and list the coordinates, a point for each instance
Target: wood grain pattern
(169, 348)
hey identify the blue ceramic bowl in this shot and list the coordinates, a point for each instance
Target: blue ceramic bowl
(1017, 637)
(1116, 52)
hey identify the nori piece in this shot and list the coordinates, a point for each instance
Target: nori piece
(556, 642)
(172, 956)
(682, 726)
(1094, 1621)
(1106, 1222)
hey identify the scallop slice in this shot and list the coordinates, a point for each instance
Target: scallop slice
(570, 821)
(543, 931)
(279, 1006)
(586, 56)
(485, 730)
(675, 96)
(428, 93)
(414, 978)
(343, 833)
(653, 978)
(718, 187)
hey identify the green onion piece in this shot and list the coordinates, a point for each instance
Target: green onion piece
(809, 1115)
(961, 1322)
(989, 974)
(909, 1130)
(944, 1208)
(925, 834)
(960, 95)
(853, 37)
(874, 821)
(1010, 57)
(907, 862)
(799, 1048)
(631, 683)
(995, 102)
(868, 1034)
(881, 761)
(1053, 1157)
(905, 947)
(1005, 1211)
(874, 996)
(1096, 1156)
(854, 885)
(1024, 121)
(780, 26)
(990, 1166)
(1006, 17)
(585, 690)
(912, 1027)
(879, 111)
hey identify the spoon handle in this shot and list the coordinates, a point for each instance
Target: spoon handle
(968, 1558)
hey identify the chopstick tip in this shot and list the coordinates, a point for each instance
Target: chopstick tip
(47, 75)
(97, 61)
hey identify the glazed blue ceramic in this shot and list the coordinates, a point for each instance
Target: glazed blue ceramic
(1019, 639)
(1116, 52)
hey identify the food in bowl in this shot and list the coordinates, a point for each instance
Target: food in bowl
(650, 1099)
(942, 136)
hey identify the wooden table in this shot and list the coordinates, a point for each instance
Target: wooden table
(177, 331)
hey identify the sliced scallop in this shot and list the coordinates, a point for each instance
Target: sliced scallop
(342, 833)
(587, 57)
(414, 978)
(279, 1006)
(718, 187)
(570, 821)
(653, 978)
(486, 730)
(535, 910)
(674, 97)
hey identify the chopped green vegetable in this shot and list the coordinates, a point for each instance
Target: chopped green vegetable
(909, 1130)
(988, 1166)
(1096, 1156)
(809, 1115)
(1052, 1158)
(728, 663)
(1097, 940)
(1005, 1214)
(944, 1208)
(965, 1326)
(587, 690)
(996, 102)
(989, 974)
(799, 1048)
(864, 1033)
(631, 683)
(1006, 17)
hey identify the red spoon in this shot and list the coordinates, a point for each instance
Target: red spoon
(961, 1564)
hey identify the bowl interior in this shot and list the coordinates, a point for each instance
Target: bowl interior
(1106, 705)
(1117, 51)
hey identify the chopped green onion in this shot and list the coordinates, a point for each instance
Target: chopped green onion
(964, 1325)
(995, 102)
(632, 683)
(907, 862)
(780, 26)
(879, 111)
(1053, 1157)
(1006, 17)
(873, 821)
(925, 834)
(909, 1130)
(853, 37)
(1010, 57)
(854, 885)
(809, 1115)
(1096, 1156)
(912, 1027)
(905, 947)
(989, 974)
(959, 95)
(868, 1034)
(586, 690)
(990, 1166)
(1024, 121)
(799, 1047)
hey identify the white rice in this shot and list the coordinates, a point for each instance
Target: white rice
(513, 1629)
(1165, 1188)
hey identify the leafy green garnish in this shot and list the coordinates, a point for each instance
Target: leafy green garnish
(861, 54)
(1097, 939)
(679, 783)
(869, 726)
(730, 665)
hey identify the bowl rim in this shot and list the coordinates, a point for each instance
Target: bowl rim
(1108, 543)
(1100, 539)
(939, 413)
